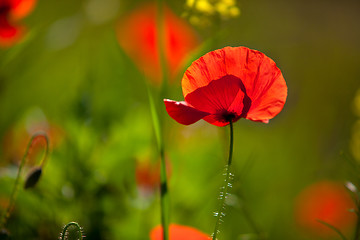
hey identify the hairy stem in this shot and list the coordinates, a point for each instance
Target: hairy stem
(13, 195)
(224, 193)
(77, 227)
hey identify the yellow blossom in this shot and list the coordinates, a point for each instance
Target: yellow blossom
(234, 11)
(204, 6)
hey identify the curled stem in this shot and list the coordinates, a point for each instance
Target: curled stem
(224, 193)
(77, 228)
(13, 195)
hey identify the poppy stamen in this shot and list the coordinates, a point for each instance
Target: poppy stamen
(229, 117)
(4, 9)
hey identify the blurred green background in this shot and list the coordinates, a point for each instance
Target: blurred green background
(70, 76)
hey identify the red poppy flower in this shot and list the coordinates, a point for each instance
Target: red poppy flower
(11, 11)
(178, 232)
(326, 201)
(137, 34)
(230, 83)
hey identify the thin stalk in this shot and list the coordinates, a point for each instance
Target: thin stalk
(333, 228)
(224, 193)
(15, 190)
(164, 195)
(355, 195)
(357, 228)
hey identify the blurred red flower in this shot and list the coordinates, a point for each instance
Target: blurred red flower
(11, 11)
(329, 202)
(178, 232)
(230, 83)
(147, 176)
(137, 35)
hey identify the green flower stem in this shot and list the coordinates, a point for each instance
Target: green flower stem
(164, 196)
(6, 214)
(78, 228)
(224, 193)
(333, 228)
(357, 228)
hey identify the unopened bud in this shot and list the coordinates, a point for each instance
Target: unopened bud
(4, 234)
(33, 178)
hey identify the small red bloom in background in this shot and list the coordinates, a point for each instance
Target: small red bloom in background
(137, 35)
(329, 202)
(178, 232)
(11, 11)
(147, 176)
(230, 83)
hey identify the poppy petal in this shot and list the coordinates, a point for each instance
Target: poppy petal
(216, 120)
(178, 232)
(21, 8)
(218, 96)
(183, 113)
(262, 79)
(238, 109)
(203, 71)
(270, 101)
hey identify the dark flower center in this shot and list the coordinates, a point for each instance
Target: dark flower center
(4, 9)
(229, 116)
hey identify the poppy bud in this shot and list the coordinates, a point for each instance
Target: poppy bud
(4, 234)
(33, 178)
